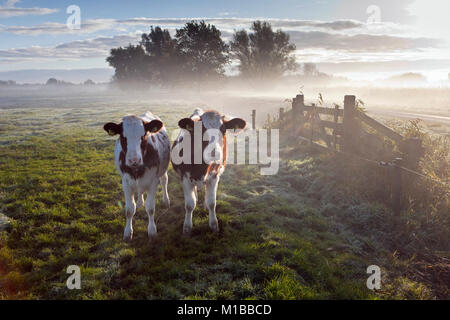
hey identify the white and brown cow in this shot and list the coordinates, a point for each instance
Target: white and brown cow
(142, 156)
(207, 134)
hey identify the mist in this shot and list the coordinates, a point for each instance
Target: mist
(237, 96)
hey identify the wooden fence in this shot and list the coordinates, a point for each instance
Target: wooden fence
(345, 131)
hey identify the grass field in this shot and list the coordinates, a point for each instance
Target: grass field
(289, 236)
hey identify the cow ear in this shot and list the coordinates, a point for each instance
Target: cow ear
(186, 123)
(113, 128)
(153, 126)
(237, 124)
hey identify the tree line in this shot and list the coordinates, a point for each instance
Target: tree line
(198, 53)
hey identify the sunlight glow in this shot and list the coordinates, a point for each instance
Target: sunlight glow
(432, 17)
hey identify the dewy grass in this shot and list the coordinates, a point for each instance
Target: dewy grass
(277, 239)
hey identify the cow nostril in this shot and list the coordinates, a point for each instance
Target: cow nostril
(136, 162)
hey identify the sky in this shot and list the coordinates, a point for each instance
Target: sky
(361, 39)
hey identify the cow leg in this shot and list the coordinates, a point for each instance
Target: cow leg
(140, 201)
(164, 181)
(130, 210)
(210, 201)
(150, 208)
(190, 201)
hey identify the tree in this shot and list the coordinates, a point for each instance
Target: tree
(310, 69)
(7, 83)
(240, 48)
(164, 59)
(51, 81)
(129, 64)
(263, 53)
(202, 51)
(196, 53)
(158, 43)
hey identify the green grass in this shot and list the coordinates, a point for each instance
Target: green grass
(281, 237)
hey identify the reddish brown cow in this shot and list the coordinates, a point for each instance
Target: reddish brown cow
(202, 147)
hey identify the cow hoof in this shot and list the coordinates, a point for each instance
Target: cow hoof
(187, 231)
(151, 232)
(214, 225)
(128, 237)
(167, 202)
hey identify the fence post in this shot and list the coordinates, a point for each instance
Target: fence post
(414, 151)
(336, 119)
(281, 117)
(300, 102)
(350, 124)
(253, 119)
(298, 108)
(396, 186)
(295, 116)
(311, 123)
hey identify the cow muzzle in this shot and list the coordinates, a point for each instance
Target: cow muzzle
(135, 162)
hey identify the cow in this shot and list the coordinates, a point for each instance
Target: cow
(142, 156)
(206, 172)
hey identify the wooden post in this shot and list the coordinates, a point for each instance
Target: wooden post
(396, 186)
(253, 119)
(414, 151)
(294, 106)
(281, 114)
(311, 123)
(294, 118)
(300, 106)
(350, 124)
(336, 119)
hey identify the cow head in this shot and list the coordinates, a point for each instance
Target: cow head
(133, 133)
(214, 127)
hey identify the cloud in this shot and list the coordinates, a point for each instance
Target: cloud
(88, 26)
(226, 14)
(332, 25)
(359, 42)
(101, 43)
(316, 41)
(226, 23)
(75, 50)
(8, 10)
(11, 3)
